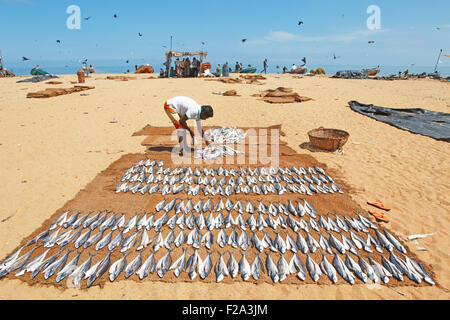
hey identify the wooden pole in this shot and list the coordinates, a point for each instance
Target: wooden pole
(437, 62)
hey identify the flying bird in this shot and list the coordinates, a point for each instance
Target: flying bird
(115, 16)
(278, 67)
(300, 23)
(25, 59)
(243, 40)
(203, 43)
(371, 41)
(58, 41)
(304, 60)
(128, 61)
(140, 34)
(87, 18)
(438, 28)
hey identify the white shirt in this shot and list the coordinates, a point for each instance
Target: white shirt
(186, 106)
(294, 67)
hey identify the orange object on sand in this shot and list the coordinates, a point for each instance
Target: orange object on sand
(379, 216)
(379, 205)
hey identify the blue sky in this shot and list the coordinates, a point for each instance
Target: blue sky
(408, 33)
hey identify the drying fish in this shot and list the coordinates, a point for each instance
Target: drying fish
(367, 269)
(301, 243)
(60, 221)
(328, 269)
(205, 267)
(243, 241)
(149, 265)
(313, 268)
(191, 263)
(118, 223)
(232, 265)
(101, 269)
(133, 266)
(336, 243)
(272, 270)
(99, 221)
(116, 241)
(392, 269)
(313, 245)
(131, 223)
(117, 267)
(169, 239)
(56, 265)
(343, 270)
(91, 220)
(395, 242)
(93, 239)
(283, 268)
(384, 241)
(353, 266)
(128, 242)
(108, 223)
(164, 264)
(381, 272)
(310, 209)
(220, 268)
(257, 267)
(104, 242)
(80, 271)
(324, 244)
(179, 265)
(222, 238)
(82, 239)
(145, 241)
(208, 238)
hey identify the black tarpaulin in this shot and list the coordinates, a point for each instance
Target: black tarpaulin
(425, 122)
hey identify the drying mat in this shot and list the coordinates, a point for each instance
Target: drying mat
(100, 195)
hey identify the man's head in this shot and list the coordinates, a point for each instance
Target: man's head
(206, 112)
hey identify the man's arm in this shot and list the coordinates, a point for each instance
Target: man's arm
(185, 126)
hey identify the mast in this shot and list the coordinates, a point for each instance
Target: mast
(437, 62)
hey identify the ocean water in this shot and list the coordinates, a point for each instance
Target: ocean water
(54, 68)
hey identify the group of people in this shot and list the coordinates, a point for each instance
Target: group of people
(185, 68)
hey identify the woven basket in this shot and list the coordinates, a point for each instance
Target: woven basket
(328, 139)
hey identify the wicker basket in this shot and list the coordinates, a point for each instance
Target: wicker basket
(328, 139)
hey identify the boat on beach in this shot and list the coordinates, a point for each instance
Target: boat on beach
(248, 70)
(372, 72)
(299, 70)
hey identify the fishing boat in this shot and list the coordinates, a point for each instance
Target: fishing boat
(248, 70)
(372, 72)
(299, 70)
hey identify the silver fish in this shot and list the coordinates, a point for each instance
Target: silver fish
(297, 265)
(82, 239)
(336, 243)
(200, 221)
(353, 266)
(108, 223)
(99, 221)
(179, 265)
(60, 221)
(128, 242)
(56, 265)
(39, 237)
(384, 241)
(220, 268)
(101, 269)
(324, 244)
(93, 239)
(222, 238)
(313, 245)
(301, 243)
(283, 268)
(131, 223)
(208, 238)
(310, 209)
(118, 223)
(168, 241)
(257, 267)
(91, 220)
(80, 271)
(404, 268)
(133, 266)
(348, 244)
(191, 264)
(104, 242)
(381, 272)
(243, 241)
(233, 239)
(367, 269)
(328, 269)
(71, 220)
(51, 239)
(43, 265)
(232, 265)
(395, 242)
(160, 205)
(204, 268)
(141, 222)
(117, 267)
(30, 265)
(148, 265)
(180, 239)
(343, 270)
(116, 241)
(164, 264)
(313, 268)
(396, 273)
(161, 222)
(272, 270)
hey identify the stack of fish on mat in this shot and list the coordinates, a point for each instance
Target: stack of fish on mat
(219, 137)
(296, 241)
(150, 177)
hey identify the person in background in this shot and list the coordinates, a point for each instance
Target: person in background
(135, 67)
(91, 69)
(182, 66)
(241, 67)
(294, 67)
(187, 67)
(161, 73)
(284, 69)
(178, 67)
(225, 69)
(219, 71)
(195, 67)
(236, 68)
(265, 66)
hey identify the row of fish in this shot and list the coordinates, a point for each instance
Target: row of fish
(258, 181)
(349, 270)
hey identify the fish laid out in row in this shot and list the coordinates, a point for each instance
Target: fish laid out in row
(349, 270)
(147, 179)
